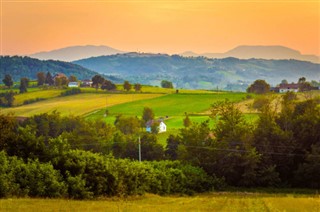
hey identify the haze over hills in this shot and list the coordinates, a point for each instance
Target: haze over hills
(76, 53)
(73, 53)
(200, 72)
(259, 52)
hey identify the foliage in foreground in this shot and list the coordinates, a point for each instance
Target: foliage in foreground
(82, 174)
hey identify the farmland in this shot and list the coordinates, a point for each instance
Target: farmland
(76, 105)
(92, 104)
(220, 201)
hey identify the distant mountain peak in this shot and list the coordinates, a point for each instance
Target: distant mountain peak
(276, 52)
(72, 53)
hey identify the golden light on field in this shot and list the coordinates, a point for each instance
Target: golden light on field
(171, 26)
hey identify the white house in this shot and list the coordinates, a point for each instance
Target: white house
(73, 84)
(284, 88)
(161, 128)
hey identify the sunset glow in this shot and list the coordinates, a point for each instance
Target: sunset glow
(159, 26)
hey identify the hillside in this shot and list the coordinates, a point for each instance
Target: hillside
(259, 52)
(200, 72)
(76, 53)
(19, 67)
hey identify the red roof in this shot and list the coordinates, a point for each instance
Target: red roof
(289, 86)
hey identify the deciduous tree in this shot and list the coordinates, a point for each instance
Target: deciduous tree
(24, 85)
(97, 80)
(137, 87)
(259, 87)
(127, 86)
(41, 78)
(73, 78)
(49, 79)
(147, 115)
(166, 84)
(7, 80)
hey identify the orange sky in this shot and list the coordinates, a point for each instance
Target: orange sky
(159, 25)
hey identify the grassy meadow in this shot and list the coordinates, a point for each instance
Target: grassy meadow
(79, 104)
(92, 104)
(221, 201)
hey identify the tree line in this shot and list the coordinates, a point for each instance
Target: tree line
(91, 158)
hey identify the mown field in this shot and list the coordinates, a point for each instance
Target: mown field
(79, 104)
(221, 201)
(93, 104)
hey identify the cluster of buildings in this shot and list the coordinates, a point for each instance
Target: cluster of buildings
(293, 87)
(79, 83)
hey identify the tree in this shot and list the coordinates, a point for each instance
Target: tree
(171, 151)
(9, 97)
(73, 78)
(108, 85)
(41, 78)
(148, 114)
(127, 86)
(166, 84)
(259, 87)
(97, 80)
(284, 81)
(64, 81)
(137, 87)
(128, 125)
(49, 80)
(301, 80)
(186, 121)
(7, 80)
(23, 84)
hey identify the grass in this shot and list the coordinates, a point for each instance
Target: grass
(80, 104)
(43, 94)
(156, 89)
(172, 104)
(221, 201)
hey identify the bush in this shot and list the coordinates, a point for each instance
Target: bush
(33, 178)
(71, 91)
(29, 101)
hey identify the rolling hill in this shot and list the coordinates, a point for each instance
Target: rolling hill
(200, 72)
(76, 53)
(19, 67)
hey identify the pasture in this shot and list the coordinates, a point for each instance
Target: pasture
(79, 104)
(220, 201)
(172, 104)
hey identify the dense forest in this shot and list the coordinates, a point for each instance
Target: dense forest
(49, 155)
(199, 72)
(19, 67)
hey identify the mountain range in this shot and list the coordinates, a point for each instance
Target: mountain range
(259, 52)
(76, 53)
(242, 52)
(200, 72)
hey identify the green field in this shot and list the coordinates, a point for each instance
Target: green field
(156, 89)
(76, 104)
(172, 104)
(221, 201)
(92, 104)
(43, 94)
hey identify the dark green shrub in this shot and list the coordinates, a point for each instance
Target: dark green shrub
(71, 91)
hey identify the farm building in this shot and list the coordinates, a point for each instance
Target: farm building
(283, 88)
(161, 128)
(73, 84)
(59, 75)
(86, 83)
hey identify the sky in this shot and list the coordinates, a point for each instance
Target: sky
(158, 26)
